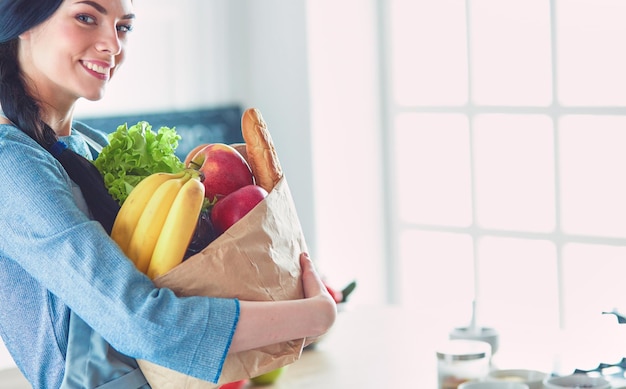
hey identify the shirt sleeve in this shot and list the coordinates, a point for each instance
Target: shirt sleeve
(45, 232)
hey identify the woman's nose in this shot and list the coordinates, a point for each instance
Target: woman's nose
(110, 42)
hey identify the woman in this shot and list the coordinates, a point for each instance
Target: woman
(66, 290)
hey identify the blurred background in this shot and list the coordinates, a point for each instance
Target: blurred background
(439, 152)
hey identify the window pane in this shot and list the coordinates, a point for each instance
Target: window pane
(429, 71)
(511, 52)
(591, 59)
(518, 283)
(432, 163)
(592, 163)
(437, 275)
(514, 165)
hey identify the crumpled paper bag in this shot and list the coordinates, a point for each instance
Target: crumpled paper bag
(256, 259)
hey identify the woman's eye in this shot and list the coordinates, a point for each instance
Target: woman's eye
(125, 28)
(85, 19)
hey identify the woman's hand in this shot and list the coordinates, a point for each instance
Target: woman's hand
(262, 323)
(315, 290)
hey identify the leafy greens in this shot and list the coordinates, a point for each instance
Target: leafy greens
(135, 152)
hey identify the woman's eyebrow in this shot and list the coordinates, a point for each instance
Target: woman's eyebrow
(103, 10)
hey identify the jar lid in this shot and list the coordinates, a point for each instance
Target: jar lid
(464, 350)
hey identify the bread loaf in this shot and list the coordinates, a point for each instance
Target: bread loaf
(260, 150)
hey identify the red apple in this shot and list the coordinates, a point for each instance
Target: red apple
(230, 209)
(193, 153)
(224, 169)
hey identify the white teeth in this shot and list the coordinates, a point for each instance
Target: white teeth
(95, 68)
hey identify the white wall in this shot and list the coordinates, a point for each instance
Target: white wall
(181, 55)
(348, 154)
(277, 83)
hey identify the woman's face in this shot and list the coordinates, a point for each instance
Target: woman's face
(77, 50)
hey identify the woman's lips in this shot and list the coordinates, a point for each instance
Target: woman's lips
(100, 71)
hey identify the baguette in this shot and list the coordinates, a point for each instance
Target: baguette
(260, 150)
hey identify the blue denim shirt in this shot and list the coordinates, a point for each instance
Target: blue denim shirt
(55, 260)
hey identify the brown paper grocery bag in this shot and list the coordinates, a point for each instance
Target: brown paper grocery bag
(256, 259)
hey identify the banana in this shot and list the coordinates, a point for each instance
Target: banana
(134, 205)
(151, 221)
(178, 229)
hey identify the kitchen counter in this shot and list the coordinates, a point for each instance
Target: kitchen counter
(392, 347)
(367, 348)
(12, 379)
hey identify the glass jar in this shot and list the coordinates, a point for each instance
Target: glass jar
(459, 361)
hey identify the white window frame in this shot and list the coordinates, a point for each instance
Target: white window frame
(555, 111)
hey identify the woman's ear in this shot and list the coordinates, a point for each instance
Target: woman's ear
(25, 35)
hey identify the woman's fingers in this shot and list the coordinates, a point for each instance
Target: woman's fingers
(316, 291)
(311, 280)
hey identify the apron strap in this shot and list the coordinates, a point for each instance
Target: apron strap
(92, 143)
(132, 380)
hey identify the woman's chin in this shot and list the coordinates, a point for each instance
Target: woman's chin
(94, 96)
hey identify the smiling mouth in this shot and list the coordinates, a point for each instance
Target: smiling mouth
(96, 68)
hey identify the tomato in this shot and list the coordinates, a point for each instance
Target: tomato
(334, 293)
(234, 385)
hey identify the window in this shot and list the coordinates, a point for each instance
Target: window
(507, 159)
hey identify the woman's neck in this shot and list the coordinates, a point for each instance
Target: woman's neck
(56, 109)
(59, 120)
(61, 128)
(61, 124)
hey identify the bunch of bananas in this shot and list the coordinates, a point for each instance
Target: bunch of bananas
(156, 222)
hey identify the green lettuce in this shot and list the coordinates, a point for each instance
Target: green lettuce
(134, 153)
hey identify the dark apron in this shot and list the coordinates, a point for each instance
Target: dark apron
(91, 363)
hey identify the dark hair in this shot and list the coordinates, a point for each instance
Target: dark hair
(17, 16)
(21, 108)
